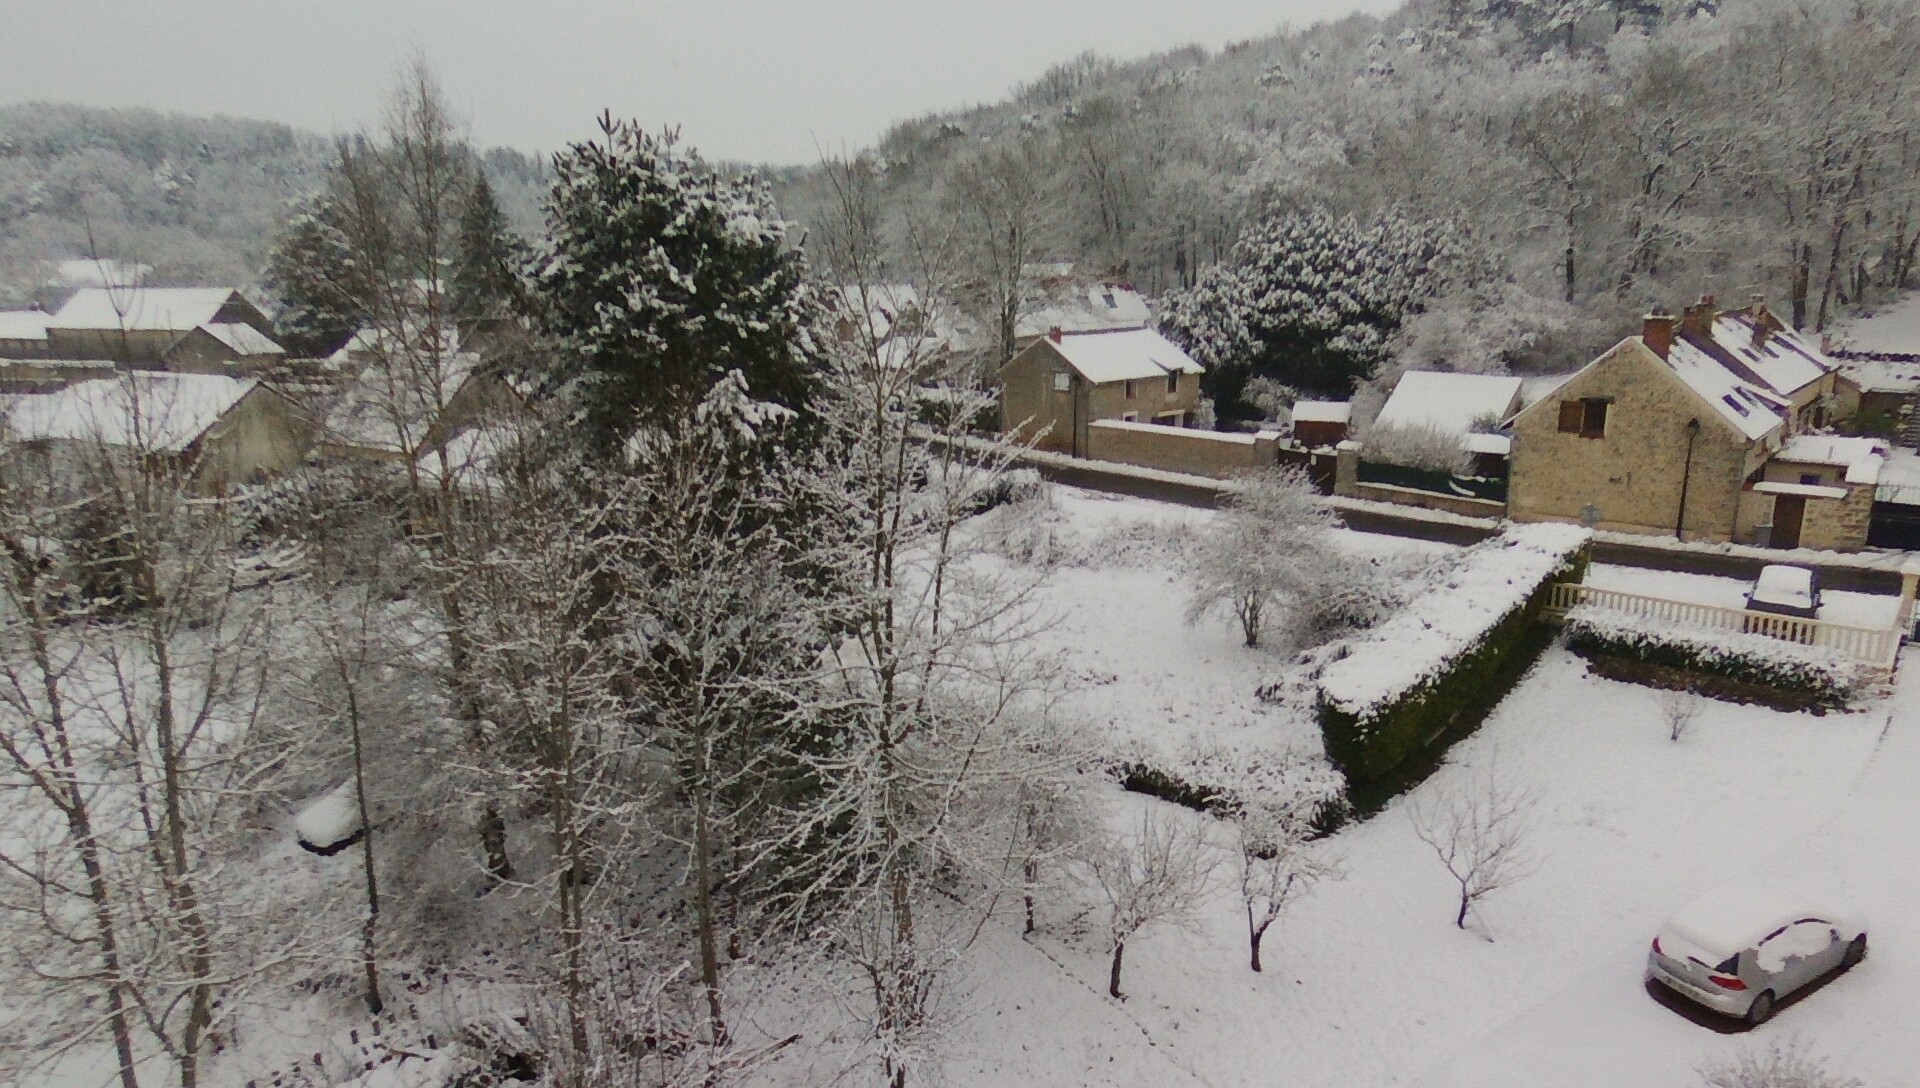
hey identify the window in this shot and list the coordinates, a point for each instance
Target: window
(1810, 478)
(1129, 417)
(1060, 381)
(1129, 390)
(1173, 382)
(1586, 418)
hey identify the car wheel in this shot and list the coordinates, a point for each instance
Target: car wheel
(1856, 951)
(1761, 1010)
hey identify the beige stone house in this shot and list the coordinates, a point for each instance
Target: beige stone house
(223, 431)
(1703, 427)
(1057, 386)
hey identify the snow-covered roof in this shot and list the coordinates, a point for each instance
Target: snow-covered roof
(243, 339)
(24, 324)
(1085, 307)
(1123, 355)
(1883, 375)
(149, 410)
(393, 409)
(1900, 478)
(1736, 916)
(1861, 457)
(1892, 329)
(1805, 491)
(1450, 403)
(1783, 361)
(1500, 445)
(1539, 387)
(1752, 410)
(1322, 411)
(142, 309)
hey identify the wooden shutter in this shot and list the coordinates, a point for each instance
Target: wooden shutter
(1573, 415)
(1596, 422)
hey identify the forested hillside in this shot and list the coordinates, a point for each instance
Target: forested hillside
(198, 199)
(1599, 155)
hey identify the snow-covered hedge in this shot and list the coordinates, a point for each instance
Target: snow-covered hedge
(1220, 781)
(1819, 673)
(1409, 680)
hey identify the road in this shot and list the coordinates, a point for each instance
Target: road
(1370, 519)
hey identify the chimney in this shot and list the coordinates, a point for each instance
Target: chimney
(1657, 332)
(1053, 334)
(1762, 320)
(1697, 320)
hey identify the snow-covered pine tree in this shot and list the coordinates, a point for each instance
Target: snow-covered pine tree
(662, 274)
(310, 274)
(1311, 299)
(486, 286)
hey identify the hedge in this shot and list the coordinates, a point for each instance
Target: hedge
(1817, 675)
(1444, 662)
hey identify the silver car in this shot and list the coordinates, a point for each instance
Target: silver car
(1743, 949)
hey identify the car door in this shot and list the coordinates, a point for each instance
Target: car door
(1796, 954)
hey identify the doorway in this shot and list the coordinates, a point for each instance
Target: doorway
(1788, 512)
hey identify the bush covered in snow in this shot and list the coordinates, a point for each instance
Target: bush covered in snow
(1782, 1064)
(1821, 674)
(1219, 781)
(1417, 447)
(1411, 678)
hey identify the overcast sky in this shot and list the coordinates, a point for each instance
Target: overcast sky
(759, 80)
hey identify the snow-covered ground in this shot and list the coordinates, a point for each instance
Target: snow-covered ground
(1367, 981)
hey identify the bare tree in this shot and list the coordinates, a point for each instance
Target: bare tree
(1157, 877)
(1280, 861)
(999, 200)
(1268, 545)
(1478, 827)
(1678, 708)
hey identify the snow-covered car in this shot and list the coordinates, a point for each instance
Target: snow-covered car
(1786, 590)
(1742, 949)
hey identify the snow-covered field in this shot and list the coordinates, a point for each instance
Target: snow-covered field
(1367, 980)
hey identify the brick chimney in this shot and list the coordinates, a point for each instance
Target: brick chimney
(1053, 334)
(1657, 332)
(1762, 320)
(1697, 320)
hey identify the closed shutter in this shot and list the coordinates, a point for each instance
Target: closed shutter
(1572, 415)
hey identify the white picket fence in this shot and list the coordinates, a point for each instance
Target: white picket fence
(1876, 646)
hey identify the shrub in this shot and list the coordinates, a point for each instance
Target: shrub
(1410, 681)
(1417, 447)
(1819, 674)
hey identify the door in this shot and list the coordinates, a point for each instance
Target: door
(1788, 512)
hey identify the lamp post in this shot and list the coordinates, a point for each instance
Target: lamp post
(1686, 477)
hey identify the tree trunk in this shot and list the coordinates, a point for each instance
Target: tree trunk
(1255, 931)
(1466, 900)
(1113, 974)
(369, 929)
(182, 897)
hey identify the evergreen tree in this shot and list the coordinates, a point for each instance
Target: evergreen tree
(1311, 299)
(310, 272)
(486, 283)
(660, 276)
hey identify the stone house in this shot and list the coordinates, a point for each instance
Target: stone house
(222, 431)
(1700, 428)
(140, 325)
(23, 334)
(1056, 387)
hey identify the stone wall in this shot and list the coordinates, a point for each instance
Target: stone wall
(1181, 449)
(1630, 478)
(1838, 525)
